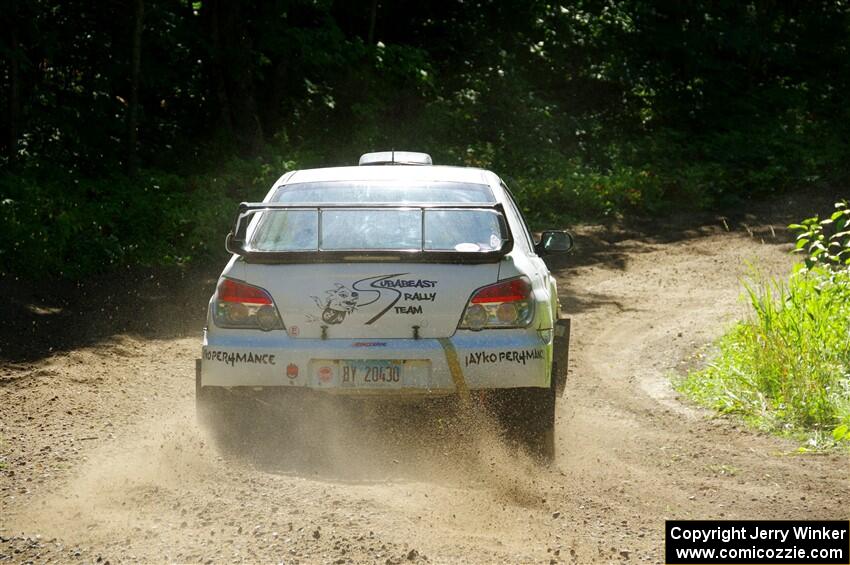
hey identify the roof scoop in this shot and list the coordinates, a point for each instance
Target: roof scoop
(395, 158)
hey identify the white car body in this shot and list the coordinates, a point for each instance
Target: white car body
(338, 317)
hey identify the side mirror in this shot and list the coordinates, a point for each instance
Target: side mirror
(554, 241)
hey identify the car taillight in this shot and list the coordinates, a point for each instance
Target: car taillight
(506, 304)
(241, 305)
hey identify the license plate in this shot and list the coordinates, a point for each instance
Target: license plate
(371, 373)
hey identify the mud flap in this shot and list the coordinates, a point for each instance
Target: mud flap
(456, 371)
(561, 354)
(197, 385)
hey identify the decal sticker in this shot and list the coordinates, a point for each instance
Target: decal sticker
(292, 371)
(341, 301)
(294, 331)
(520, 356)
(420, 296)
(232, 358)
(388, 282)
(325, 374)
(337, 302)
(369, 344)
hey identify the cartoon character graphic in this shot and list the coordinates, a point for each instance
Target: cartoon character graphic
(336, 303)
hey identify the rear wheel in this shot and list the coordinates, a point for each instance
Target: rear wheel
(267, 424)
(222, 416)
(528, 416)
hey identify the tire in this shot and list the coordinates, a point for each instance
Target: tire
(218, 415)
(262, 424)
(528, 417)
(228, 418)
(560, 355)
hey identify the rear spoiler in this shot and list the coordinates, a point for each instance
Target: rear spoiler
(236, 239)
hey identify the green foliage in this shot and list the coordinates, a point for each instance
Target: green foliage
(831, 250)
(841, 433)
(590, 109)
(788, 367)
(59, 224)
(573, 191)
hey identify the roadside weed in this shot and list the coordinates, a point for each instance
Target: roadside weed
(831, 250)
(787, 367)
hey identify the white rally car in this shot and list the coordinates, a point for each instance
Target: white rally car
(392, 278)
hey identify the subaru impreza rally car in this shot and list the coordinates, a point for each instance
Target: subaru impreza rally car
(392, 278)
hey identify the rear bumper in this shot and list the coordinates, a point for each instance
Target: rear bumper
(486, 360)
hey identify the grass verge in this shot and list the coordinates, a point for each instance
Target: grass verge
(786, 368)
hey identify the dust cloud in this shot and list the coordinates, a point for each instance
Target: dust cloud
(346, 439)
(162, 475)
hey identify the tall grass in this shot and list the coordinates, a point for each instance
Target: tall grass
(787, 367)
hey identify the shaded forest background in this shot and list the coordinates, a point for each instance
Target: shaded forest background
(130, 129)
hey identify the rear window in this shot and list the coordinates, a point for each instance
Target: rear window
(364, 229)
(384, 192)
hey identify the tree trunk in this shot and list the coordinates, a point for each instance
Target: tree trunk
(232, 69)
(133, 103)
(14, 84)
(373, 14)
(239, 75)
(211, 10)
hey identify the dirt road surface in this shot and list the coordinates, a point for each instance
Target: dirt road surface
(101, 459)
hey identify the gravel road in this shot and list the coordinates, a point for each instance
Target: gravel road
(101, 459)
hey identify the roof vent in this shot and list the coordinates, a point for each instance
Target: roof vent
(395, 158)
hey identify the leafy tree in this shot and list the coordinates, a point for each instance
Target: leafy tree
(590, 108)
